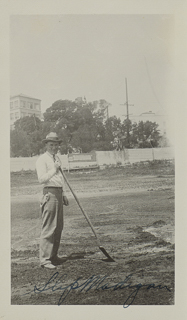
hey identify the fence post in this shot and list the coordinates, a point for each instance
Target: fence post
(153, 154)
(68, 161)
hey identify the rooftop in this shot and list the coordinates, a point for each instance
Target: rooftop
(24, 96)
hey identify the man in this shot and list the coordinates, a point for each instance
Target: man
(47, 167)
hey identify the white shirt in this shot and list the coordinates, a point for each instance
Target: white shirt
(46, 171)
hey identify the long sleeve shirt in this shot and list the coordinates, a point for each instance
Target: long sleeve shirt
(46, 171)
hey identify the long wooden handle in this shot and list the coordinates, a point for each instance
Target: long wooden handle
(84, 213)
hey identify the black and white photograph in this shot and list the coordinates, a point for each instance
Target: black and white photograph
(90, 134)
(92, 143)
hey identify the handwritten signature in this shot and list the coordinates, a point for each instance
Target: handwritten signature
(55, 283)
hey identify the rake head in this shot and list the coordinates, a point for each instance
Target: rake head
(106, 254)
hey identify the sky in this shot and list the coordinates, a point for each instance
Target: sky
(56, 57)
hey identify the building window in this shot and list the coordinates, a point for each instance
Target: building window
(11, 116)
(23, 114)
(11, 105)
(37, 106)
(16, 103)
(30, 105)
(17, 115)
(23, 104)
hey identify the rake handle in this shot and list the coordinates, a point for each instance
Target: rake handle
(84, 213)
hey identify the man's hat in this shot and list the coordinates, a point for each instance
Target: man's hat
(52, 136)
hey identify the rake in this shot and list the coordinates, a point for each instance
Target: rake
(87, 218)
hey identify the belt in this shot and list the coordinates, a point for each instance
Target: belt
(51, 187)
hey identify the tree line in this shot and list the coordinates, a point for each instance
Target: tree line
(83, 127)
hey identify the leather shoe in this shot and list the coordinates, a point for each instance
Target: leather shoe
(59, 260)
(48, 266)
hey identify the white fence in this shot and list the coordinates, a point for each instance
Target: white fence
(18, 164)
(99, 158)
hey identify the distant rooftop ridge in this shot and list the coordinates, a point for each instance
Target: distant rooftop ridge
(24, 96)
(158, 114)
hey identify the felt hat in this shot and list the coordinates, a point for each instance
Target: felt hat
(52, 136)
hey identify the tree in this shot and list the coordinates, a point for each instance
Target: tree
(112, 130)
(26, 138)
(58, 110)
(125, 135)
(28, 124)
(20, 144)
(82, 125)
(66, 114)
(164, 141)
(83, 138)
(99, 109)
(74, 123)
(141, 135)
(146, 134)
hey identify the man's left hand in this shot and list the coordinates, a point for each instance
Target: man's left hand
(65, 201)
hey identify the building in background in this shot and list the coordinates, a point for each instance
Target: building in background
(160, 119)
(22, 106)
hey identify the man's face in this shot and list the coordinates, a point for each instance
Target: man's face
(52, 147)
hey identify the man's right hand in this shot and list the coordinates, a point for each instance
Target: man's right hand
(65, 201)
(57, 165)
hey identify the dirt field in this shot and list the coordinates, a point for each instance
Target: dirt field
(132, 210)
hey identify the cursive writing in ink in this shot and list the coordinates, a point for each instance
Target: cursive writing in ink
(56, 283)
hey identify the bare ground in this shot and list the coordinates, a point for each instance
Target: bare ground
(132, 210)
